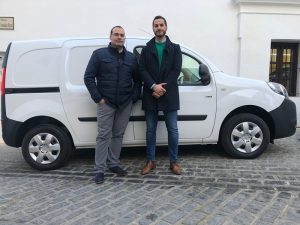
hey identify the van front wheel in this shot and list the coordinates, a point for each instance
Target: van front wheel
(245, 136)
(46, 147)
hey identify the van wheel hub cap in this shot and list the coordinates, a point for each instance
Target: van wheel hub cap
(246, 137)
(44, 148)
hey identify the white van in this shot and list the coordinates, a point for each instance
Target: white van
(47, 110)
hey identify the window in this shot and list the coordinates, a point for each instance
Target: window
(189, 71)
(192, 72)
(283, 65)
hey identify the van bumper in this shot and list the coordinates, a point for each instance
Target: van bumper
(10, 130)
(285, 119)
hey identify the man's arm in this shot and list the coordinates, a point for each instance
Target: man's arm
(90, 75)
(146, 77)
(172, 77)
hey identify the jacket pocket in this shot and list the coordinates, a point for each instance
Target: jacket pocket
(108, 66)
(128, 69)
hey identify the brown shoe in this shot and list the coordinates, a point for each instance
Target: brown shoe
(150, 165)
(175, 168)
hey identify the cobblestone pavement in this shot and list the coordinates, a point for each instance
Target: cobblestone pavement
(214, 189)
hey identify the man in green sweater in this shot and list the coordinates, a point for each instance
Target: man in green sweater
(160, 66)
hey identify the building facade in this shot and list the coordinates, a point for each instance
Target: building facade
(249, 38)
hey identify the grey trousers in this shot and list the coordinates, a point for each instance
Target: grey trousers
(112, 124)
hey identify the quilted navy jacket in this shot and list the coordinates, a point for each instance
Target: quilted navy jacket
(113, 76)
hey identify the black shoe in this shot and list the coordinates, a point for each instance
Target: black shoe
(99, 178)
(118, 170)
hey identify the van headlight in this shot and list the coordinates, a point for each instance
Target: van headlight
(278, 88)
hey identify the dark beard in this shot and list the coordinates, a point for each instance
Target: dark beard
(160, 35)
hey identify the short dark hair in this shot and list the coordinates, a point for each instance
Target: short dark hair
(111, 31)
(159, 17)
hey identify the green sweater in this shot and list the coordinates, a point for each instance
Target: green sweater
(160, 50)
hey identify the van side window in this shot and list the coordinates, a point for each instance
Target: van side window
(193, 72)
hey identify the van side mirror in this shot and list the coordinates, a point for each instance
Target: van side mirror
(204, 74)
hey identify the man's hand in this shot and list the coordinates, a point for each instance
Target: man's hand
(159, 89)
(155, 95)
(102, 101)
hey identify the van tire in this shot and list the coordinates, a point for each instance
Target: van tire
(46, 147)
(245, 136)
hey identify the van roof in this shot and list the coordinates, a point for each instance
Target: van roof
(58, 42)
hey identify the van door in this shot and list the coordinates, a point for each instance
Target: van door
(197, 112)
(78, 105)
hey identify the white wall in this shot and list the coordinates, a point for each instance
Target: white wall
(234, 34)
(259, 25)
(210, 27)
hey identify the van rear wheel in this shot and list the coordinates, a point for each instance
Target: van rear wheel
(245, 136)
(46, 147)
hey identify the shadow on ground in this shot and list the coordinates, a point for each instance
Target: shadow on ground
(161, 151)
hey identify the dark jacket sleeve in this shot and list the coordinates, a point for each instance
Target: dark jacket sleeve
(146, 77)
(137, 83)
(173, 75)
(90, 74)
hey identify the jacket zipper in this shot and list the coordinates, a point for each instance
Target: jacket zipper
(118, 79)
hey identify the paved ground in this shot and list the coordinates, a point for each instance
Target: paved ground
(213, 189)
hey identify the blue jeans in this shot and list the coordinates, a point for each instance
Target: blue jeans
(171, 124)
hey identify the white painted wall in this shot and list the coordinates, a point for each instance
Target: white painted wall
(259, 25)
(209, 27)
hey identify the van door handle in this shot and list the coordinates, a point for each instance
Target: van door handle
(208, 96)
